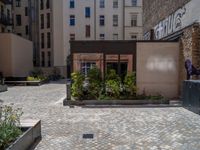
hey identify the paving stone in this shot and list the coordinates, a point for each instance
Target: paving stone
(113, 128)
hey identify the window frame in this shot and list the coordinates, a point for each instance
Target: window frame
(101, 3)
(102, 20)
(72, 20)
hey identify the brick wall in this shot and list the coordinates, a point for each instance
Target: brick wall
(189, 49)
(157, 10)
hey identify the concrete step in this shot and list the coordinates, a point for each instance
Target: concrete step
(175, 103)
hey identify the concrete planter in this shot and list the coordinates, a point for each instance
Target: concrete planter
(114, 102)
(31, 135)
(3, 88)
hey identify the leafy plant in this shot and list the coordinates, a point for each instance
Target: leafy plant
(94, 88)
(29, 78)
(130, 84)
(9, 125)
(112, 84)
(55, 74)
(77, 85)
(36, 73)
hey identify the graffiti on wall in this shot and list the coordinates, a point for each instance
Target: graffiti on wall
(171, 24)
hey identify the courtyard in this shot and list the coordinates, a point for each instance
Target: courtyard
(113, 128)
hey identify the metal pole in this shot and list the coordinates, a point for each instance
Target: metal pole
(68, 83)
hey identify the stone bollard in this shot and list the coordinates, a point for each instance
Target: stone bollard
(68, 91)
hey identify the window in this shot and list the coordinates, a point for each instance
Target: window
(48, 40)
(133, 20)
(115, 3)
(41, 4)
(102, 36)
(101, 20)
(42, 40)
(72, 20)
(42, 21)
(27, 30)
(102, 4)
(86, 66)
(72, 4)
(134, 37)
(72, 37)
(8, 13)
(49, 59)
(115, 20)
(18, 3)
(87, 12)
(134, 2)
(43, 59)
(87, 31)
(48, 20)
(19, 34)
(115, 36)
(26, 11)
(47, 4)
(18, 20)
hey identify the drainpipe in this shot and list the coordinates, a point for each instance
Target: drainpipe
(123, 19)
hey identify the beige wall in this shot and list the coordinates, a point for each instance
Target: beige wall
(15, 55)
(158, 68)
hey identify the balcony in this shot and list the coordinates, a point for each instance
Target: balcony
(7, 2)
(7, 21)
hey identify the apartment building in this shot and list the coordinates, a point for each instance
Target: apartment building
(25, 23)
(45, 33)
(5, 16)
(104, 20)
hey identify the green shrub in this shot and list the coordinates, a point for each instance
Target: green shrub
(9, 125)
(112, 84)
(29, 78)
(77, 85)
(94, 88)
(56, 75)
(130, 84)
(36, 73)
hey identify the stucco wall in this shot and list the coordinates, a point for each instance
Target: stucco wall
(158, 68)
(16, 55)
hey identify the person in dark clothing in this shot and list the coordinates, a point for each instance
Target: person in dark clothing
(191, 70)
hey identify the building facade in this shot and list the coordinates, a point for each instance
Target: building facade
(26, 24)
(52, 24)
(65, 20)
(5, 16)
(156, 63)
(175, 20)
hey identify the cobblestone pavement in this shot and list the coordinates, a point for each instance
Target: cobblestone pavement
(113, 128)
